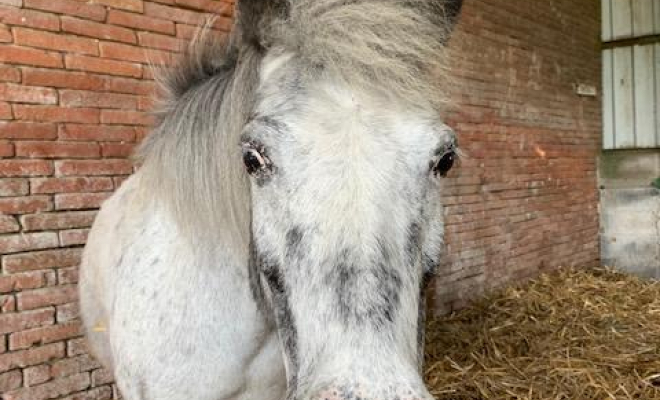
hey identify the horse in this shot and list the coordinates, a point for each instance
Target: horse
(285, 218)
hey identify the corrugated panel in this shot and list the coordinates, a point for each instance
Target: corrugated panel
(622, 26)
(643, 16)
(606, 15)
(624, 99)
(644, 89)
(657, 93)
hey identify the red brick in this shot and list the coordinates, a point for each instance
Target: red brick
(213, 6)
(66, 276)
(13, 187)
(5, 34)
(54, 41)
(141, 22)
(69, 7)
(14, 3)
(8, 304)
(131, 5)
(128, 85)
(27, 130)
(25, 205)
(73, 237)
(62, 79)
(163, 42)
(127, 117)
(33, 19)
(125, 52)
(49, 334)
(8, 224)
(74, 365)
(56, 221)
(98, 30)
(26, 242)
(60, 258)
(26, 358)
(101, 377)
(122, 150)
(52, 389)
(11, 54)
(96, 133)
(93, 167)
(56, 114)
(103, 66)
(57, 150)
(168, 13)
(15, 322)
(9, 74)
(10, 380)
(5, 111)
(70, 185)
(27, 94)
(22, 281)
(6, 149)
(220, 29)
(79, 201)
(12, 168)
(36, 375)
(83, 98)
(40, 298)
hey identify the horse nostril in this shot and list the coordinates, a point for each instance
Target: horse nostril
(445, 163)
(253, 160)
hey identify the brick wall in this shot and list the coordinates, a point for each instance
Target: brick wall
(73, 98)
(74, 95)
(526, 199)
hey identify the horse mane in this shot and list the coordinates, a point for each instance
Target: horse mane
(191, 161)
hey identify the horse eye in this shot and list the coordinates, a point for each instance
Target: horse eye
(253, 160)
(444, 164)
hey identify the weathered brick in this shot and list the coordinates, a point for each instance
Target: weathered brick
(66, 276)
(9, 74)
(33, 19)
(128, 85)
(57, 221)
(22, 281)
(78, 201)
(26, 242)
(57, 150)
(220, 29)
(13, 187)
(76, 347)
(138, 21)
(27, 130)
(36, 375)
(131, 5)
(62, 79)
(5, 111)
(168, 13)
(6, 149)
(53, 41)
(103, 66)
(123, 150)
(98, 30)
(26, 358)
(115, 117)
(69, 7)
(216, 7)
(103, 133)
(14, 3)
(25, 205)
(85, 98)
(5, 34)
(70, 185)
(27, 94)
(14, 322)
(43, 335)
(59, 258)
(17, 168)
(29, 300)
(52, 389)
(93, 167)
(10, 380)
(67, 312)
(73, 237)
(11, 54)
(56, 114)
(8, 224)
(74, 365)
(99, 393)
(101, 377)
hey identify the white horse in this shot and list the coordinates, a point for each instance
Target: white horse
(278, 236)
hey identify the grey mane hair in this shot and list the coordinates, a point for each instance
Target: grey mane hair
(392, 48)
(188, 161)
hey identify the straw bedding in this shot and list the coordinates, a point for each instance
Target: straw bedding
(572, 335)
